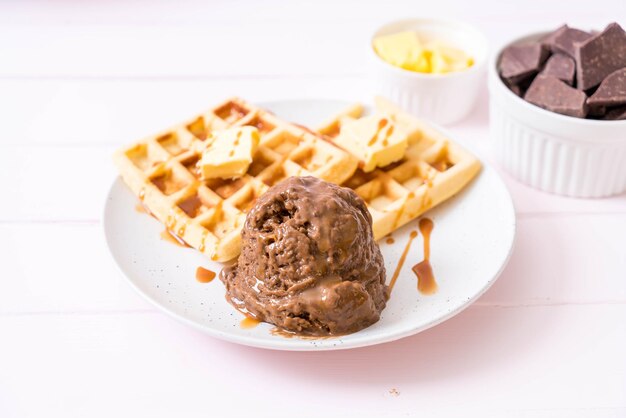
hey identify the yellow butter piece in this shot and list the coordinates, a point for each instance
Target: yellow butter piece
(447, 58)
(399, 49)
(439, 64)
(375, 140)
(409, 125)
(229, 153)
(405, 50)
(422, 64)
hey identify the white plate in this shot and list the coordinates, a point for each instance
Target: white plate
(470, 245)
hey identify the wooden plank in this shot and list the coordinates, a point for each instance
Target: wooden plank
(61, 267)
(564, 259)
(47, 183)
(489, 361)
(225, 38)
(87, 112)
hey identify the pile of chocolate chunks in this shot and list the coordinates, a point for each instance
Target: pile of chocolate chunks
(571, 72)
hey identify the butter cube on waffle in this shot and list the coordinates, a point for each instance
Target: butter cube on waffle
(433, 169)
(410, 125)
(375, 140)
(228, 153)
(208, 213)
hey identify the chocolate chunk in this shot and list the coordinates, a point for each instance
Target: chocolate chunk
(564, 42)
(521, 61)
(560, 66)
(548, 40)
(599, 56)
(515, 88)
(552, 94)
(612, 90)
(520, 88)
(596, 111)
(617, 113)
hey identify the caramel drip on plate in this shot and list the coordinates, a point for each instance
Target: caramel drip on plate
(169, 236)
(401, 261)
(204, 275)
(142, 208)
(248, 322)
(390, 240)
(426, 283)
(426, 228)
(166, 234)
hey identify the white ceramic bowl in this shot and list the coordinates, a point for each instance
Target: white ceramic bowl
(441, 98)
(552, 152)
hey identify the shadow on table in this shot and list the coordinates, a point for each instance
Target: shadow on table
(485, 338)
(480, 340)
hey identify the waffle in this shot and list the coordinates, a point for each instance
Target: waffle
(208, 215)
(432, 170)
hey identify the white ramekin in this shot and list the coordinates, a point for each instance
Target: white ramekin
(552, 152)
(440, 98)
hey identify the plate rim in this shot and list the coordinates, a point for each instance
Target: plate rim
(284, 344)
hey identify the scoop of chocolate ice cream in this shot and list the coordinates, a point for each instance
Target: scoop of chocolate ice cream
(309, 262)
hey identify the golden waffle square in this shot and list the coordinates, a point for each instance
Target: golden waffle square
(433, 169)
(208, 215)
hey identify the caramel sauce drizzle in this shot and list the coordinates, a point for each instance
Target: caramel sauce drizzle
(248, 323)
(401, 261)
(396, 221)
(170, 222)
(426, 283)
(169, 236)
(142, 209)
(191, 206)
(204, 275)
(387, 135)
(332, 132)
(381, 125)
(202, 246)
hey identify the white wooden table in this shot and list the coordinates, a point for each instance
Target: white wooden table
(78, 79)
